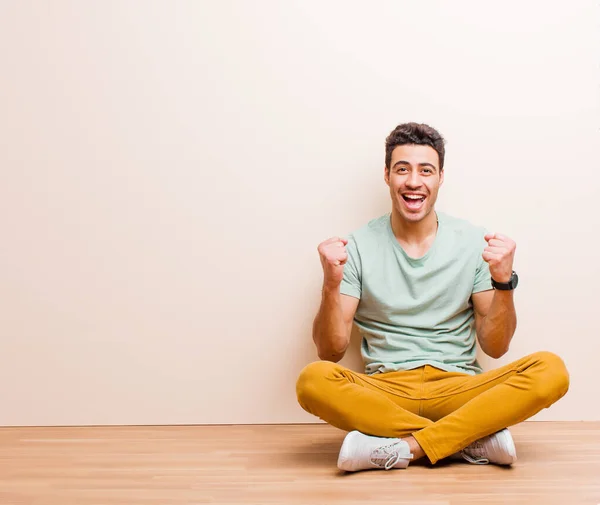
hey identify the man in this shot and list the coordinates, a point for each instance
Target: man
(422, 287)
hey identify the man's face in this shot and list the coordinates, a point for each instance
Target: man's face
(414, 179)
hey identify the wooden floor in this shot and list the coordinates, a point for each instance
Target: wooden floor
(559, 463)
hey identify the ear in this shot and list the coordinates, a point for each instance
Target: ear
(386, 175)
(441, 176)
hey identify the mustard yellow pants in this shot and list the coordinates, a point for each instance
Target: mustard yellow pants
(444, 411)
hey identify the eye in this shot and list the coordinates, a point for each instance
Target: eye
(428, 170)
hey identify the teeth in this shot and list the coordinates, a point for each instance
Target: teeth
(413, 197)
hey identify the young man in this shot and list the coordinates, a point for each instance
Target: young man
(422, 286)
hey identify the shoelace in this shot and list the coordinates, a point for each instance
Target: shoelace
(475, 461)
(474, 454)
(387, 456)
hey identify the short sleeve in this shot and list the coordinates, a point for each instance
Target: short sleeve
(483, 278)
(351, 283)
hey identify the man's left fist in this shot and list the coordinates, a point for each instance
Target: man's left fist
(499, 254)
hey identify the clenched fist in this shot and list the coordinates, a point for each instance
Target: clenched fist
(333, 258)
(499, 254)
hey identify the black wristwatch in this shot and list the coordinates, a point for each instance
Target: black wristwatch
(507, 286)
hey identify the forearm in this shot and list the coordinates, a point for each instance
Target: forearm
(499, 325)
(330, 333)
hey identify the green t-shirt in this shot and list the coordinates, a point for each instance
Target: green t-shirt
(417, 311)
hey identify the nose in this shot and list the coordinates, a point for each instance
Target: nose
(413, 180)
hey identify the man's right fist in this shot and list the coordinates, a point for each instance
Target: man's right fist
(333, 258)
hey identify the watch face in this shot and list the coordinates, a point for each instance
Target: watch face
(514, 280)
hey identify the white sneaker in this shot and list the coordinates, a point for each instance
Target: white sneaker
(497, 448)
(364, 452)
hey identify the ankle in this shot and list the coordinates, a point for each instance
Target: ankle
(416, 450)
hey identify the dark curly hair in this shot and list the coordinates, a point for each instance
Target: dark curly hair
(414, 133)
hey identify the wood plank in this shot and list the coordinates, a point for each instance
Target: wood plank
(558, 463)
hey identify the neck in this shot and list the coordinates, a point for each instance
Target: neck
(414, 232)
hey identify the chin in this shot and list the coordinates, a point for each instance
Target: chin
(414, 217)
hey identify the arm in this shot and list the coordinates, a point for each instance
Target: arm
(495, 315)
(495, 321)
(333, 324)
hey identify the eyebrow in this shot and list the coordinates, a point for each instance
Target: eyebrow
(399, 162)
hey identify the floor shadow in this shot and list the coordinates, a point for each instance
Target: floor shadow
(322, 452)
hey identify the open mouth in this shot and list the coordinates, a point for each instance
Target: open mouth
(414, 202)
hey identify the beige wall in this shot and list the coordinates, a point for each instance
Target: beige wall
(168, 169)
